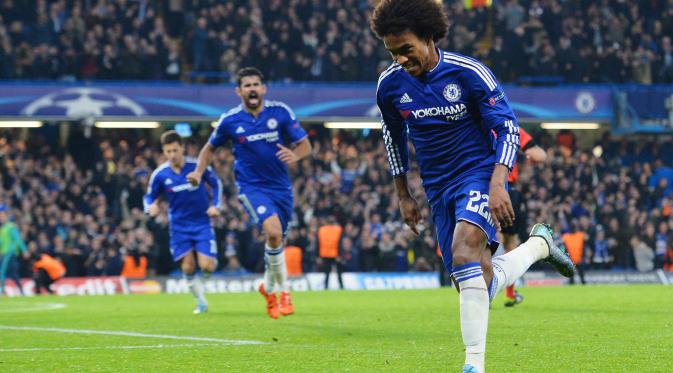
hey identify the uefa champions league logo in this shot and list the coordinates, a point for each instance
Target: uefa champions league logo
(452, 92)
(82, 103)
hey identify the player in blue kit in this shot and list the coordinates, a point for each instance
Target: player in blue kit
(259, 130)
(189, 213)
(452, 108)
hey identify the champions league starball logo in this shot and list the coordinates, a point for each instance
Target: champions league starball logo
(83, 103)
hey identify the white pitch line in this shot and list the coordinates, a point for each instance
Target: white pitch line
(32, 349)
(34, 307)
(131, 334)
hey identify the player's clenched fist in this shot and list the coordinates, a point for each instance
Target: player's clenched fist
(153, 210)
(410, 212)
(500, 207)
(213, 211)
(194, 178)
(286, 154)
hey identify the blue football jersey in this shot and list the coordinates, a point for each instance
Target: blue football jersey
(255, 143)
(457, 116)
(187, 204)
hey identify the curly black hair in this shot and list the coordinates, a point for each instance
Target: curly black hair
(425, 18)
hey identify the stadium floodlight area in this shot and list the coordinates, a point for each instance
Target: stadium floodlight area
(570, 126)
(20, 124)
(127, 124)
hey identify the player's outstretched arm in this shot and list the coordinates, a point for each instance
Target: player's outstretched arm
(409, 209)
(205, 155)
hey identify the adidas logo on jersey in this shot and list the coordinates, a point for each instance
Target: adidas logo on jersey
(406, 99)
(240, 129)
(168, 182)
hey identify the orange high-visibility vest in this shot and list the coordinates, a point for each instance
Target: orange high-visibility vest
(328, 240)
(54, 268)
(575, 245)
(133, 270)
(293, 256)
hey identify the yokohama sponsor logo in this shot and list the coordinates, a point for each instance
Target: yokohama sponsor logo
(454, 111)
(268, 136)
(180, 188)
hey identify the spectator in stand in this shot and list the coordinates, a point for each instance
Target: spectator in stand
(541, 42)
(601, 257)
(643, 254)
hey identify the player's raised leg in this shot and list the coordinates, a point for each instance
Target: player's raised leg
(510, 242)
(540, 245)
(469, 242)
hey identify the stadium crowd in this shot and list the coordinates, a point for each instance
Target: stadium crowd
(82, 202)
(616, 41)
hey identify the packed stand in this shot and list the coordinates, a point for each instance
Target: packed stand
(536, 41)
(82, 202)
(611, 205)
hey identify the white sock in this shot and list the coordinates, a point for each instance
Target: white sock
(282, 273)
(474, 307)
(196, 288)
(272, 274)
(269, 283)
(510, 267)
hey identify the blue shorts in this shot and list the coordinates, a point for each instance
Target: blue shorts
(200, 238)
(468, 201)
(261, 204)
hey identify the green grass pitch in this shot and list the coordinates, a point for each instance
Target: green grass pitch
(559, 329)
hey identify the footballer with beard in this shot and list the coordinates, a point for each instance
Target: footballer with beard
(266, 138)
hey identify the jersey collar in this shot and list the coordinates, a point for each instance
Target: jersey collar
(439, 61)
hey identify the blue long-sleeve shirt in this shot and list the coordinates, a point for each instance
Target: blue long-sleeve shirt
(457, 116)
(187, 204)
